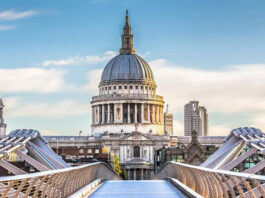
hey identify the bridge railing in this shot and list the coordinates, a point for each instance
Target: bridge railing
(214, 183)
(54, 183)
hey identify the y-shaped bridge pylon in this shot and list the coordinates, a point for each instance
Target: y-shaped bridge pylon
(214, 178)
(230, 154)
(55, 179)
(24, 142)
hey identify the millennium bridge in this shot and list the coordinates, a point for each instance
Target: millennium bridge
(214, 178)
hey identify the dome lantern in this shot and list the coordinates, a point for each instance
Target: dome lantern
(127, 38)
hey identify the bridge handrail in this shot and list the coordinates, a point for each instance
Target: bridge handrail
(55, 183)
(237, 174)
(214, 183)
(43, 173)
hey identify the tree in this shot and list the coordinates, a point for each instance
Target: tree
(116, 167)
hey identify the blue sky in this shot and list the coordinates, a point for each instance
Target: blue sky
(53, 53)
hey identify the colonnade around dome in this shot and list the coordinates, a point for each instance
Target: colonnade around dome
(127, 113)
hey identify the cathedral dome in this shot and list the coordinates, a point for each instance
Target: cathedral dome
(127, 68)
(127, 94)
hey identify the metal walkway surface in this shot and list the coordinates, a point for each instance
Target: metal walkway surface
(137, 189)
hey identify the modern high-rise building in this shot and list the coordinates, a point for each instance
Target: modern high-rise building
(168, 122)
(2, 124)
(195, 118)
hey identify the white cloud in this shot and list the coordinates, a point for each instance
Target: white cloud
(93, 79)
(144, 55)
(31, 80)
(233, 90)
(178, 128)
(10, 102)
(7, 27)
(77, 60)
(237, 89)
(48, 132)
(214, 130)
(220, 130)
(60, 109)
(13, 15)
(259, 121)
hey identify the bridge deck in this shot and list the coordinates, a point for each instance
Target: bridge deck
(137, 189)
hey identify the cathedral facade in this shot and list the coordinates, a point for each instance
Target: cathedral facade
(127, 114)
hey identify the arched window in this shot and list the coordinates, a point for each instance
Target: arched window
(136, 151)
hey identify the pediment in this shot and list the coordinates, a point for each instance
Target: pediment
(136, 136)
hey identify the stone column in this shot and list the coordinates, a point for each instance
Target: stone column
(129, 175)
(153, 113)
(162, 115)
(142, 174)
(98, 114)
(155, 117)
(134, 174)
(157, 114)
(108, 113)
(142, 113)
(114, 113)
(128, 113)
(92, 115)
(121, 120)
(103, 114)
(135, 113)
(148, 113)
